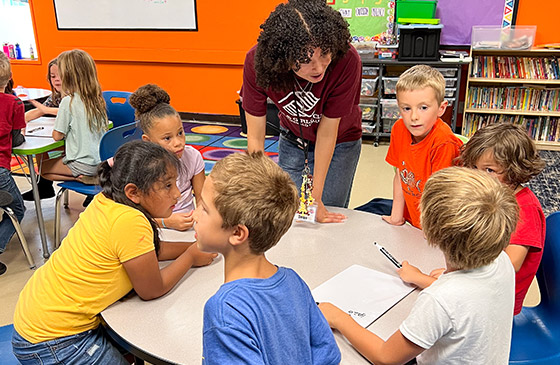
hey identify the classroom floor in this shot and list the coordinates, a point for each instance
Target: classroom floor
(373, 179)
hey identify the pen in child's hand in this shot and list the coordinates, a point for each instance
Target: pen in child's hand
(388, 255)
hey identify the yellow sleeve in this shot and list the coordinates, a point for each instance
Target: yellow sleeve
(131, 235)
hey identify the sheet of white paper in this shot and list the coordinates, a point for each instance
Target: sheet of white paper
(41, 127)
(171, 235)
(363, 293)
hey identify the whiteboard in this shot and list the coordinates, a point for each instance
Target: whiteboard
(126, 14)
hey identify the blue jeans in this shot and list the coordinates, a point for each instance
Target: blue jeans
(89, 347)
(340, 176)
(7, 229)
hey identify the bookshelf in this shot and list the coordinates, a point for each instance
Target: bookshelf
(514, 86)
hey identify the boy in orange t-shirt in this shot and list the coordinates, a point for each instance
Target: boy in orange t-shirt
(421, 143)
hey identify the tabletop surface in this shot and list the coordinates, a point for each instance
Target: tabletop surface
(170, 327)
(29, 93)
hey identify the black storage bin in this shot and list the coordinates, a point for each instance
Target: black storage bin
(419, 42)
(272, 120)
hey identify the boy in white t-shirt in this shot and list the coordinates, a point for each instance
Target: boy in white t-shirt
(465, 316)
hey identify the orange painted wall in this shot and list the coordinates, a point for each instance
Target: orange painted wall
(543, 14)
(201, 70)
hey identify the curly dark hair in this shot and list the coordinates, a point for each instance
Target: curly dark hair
(151, 102)
(289, 35)
(512, 148)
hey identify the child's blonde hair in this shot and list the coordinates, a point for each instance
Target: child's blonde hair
(254, 191)
(512, 148)
(79, 75)
(5, 71)
(469, 215)
(421, 76)
(151, 102)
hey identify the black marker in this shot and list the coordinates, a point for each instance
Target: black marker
(388, 255)
(35, 129)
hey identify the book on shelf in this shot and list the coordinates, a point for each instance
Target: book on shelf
(541, 128)
(512, 67)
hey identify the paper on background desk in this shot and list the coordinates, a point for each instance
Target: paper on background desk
(171, 235)
(42, 127)
(362, 292)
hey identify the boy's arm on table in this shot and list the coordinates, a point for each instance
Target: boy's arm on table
(397, 212)
(150, 282)
(325, 143)
(412, 275)
(396, 350)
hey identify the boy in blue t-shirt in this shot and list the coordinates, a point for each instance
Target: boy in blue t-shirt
(262, 313)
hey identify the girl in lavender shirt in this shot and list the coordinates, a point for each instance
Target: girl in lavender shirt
(161, 124)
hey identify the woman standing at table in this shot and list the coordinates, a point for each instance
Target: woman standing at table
(304, 63)
(49, 107)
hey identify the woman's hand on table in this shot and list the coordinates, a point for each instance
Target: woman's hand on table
(393, 221)
(180, 221)
(324, 216)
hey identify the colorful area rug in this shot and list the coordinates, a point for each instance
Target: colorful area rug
(218, 141)
(214, 141)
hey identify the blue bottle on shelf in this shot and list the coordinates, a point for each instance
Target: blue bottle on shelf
(18, 52)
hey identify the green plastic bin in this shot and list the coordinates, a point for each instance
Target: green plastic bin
(423, 9)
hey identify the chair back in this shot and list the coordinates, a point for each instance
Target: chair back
(119, 111)
(548, 275)
(116, 137)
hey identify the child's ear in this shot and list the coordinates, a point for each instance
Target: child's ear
(442, 108)
(132, 192)
(145, 138)
(239, 235)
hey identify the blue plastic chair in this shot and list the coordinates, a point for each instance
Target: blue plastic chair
(110, 142)
(536, 331)
(119, 111)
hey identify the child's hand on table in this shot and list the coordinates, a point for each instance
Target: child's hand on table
(412, 275)
(393, 221)
(180, 221)
(200, 258)
(332, 313)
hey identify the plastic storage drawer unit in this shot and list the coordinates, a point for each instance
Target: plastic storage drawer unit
(390, 85)
(389, 109)
(419, 42)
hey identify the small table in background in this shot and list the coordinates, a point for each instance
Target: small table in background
(29, 93)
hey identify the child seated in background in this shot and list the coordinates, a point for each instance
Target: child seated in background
(81, 120)
(11, 119)
(505, 151)
(464, 317)
(421, 143)
(49, 107)
(262, 314)
(161, 124)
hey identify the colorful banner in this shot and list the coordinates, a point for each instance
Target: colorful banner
(369, 20)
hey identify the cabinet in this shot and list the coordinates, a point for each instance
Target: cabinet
(379, 105)
(521, 87)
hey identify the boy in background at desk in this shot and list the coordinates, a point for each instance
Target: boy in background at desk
(421, 143)
(262, 314)
(464, 317)
(506, 151)
(11, 119)
(49, 107)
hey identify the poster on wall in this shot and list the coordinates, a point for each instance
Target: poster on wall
(126, 14)
(369, 20)
(470, 13)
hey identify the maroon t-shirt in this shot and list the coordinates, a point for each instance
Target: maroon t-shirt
(336, 96)
(12, 116)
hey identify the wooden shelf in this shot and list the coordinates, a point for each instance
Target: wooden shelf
(513, 81)
(549, 146)
(512, 111)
